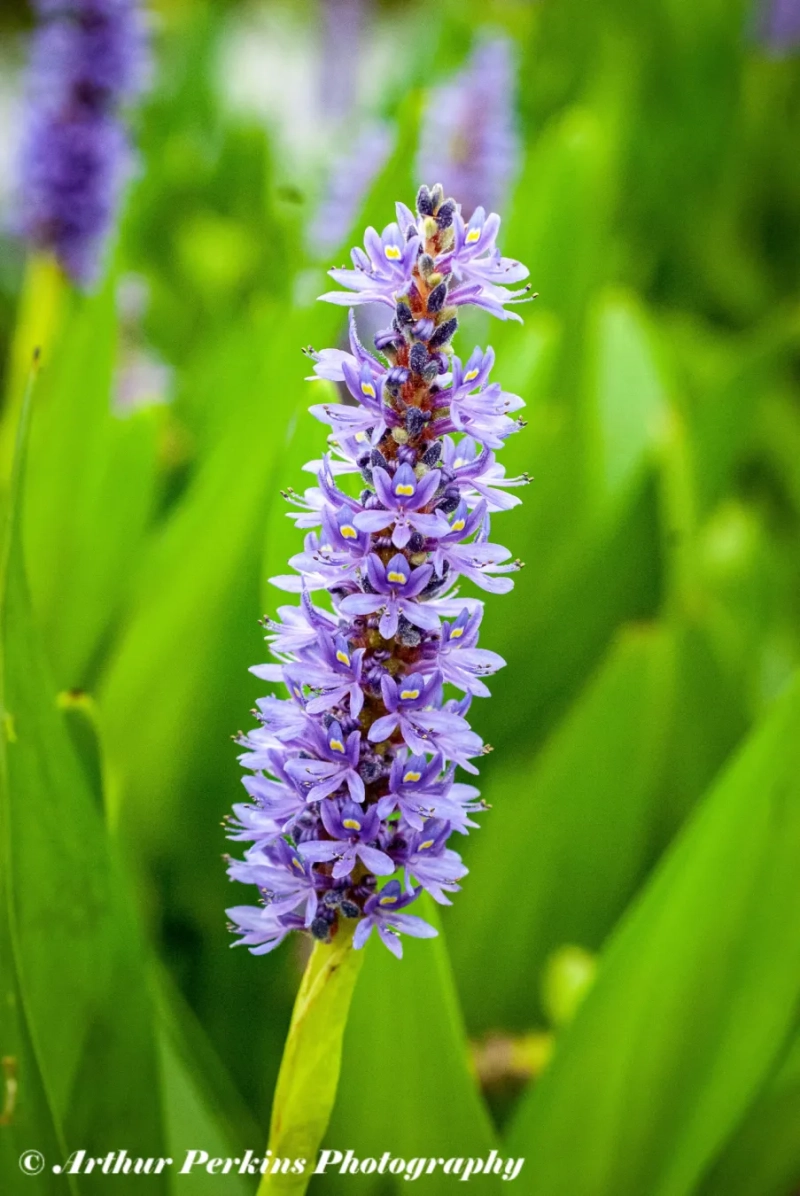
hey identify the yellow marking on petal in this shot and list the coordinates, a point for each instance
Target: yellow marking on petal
(351, 824)
(427, 843)
(393, 253)
(348, 531)
(398, 578)
(411, 776)
(470, 374)
(387, 900)
(368, 389)
(456, 633)
(409, 694)
(297, 864)
(361, 437)
(336, 745)
(459, 461)
(473, 235)
(403, 488)
(458, 525)
(342, 657)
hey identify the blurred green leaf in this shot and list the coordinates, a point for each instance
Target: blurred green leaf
(202, 1111)
(693, 999)
(91, 478)
(762, 1156)
(557, 623)
(625, 398)
(568, 837)
(75, 943)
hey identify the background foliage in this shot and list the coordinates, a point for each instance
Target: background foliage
(627, 937)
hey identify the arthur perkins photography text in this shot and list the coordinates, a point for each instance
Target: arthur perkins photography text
(119, 1162)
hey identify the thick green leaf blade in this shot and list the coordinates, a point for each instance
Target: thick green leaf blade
(574, 821)
(625, 402)
(77, 947)
(762, 1157)
(90, 485)
(676, 1036)
(202, 1111)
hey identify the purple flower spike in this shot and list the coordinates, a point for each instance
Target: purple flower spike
(87, 60)
(780, 25)
(469, 137)
(352, 769)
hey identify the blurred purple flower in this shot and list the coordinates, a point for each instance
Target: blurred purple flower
(469, 137)
(88, 58)
(341, 27)
(351, 177)
(780, 25)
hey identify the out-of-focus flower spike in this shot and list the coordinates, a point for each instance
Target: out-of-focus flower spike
(469, 135)
(88, 59)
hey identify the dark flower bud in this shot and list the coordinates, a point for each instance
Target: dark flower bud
(432, 455)
(446, 214)
(449, 501)
(437, 297)
(350, 909)
(403, 314)
(424, 202)
(443, 333)
(366, 474)
(437, 195)
(426, 265)
(418, 358)
(370, 771)
(408, 635)
(437, 583)
(415, 421)
(377, 458)
(320, 929)
(431, 370)
(416, 543)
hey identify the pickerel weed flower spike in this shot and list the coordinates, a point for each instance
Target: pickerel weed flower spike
(352, 774)
(469, 133)
(87, 59)
(780, 25)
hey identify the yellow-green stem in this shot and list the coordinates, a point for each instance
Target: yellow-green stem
(309, 1075)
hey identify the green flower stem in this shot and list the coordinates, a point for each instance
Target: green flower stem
(312, 1057)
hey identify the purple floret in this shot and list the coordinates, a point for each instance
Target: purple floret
(352, 771)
